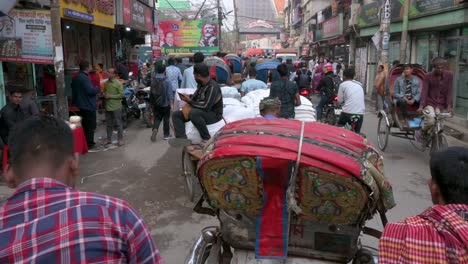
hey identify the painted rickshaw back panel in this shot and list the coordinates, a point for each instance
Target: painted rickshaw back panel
(246, 171)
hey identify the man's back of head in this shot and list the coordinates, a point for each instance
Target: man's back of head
(449, 170)
(283, 70)
(198, 57)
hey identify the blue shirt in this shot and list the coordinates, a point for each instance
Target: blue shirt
(252, 85)
(84, 93)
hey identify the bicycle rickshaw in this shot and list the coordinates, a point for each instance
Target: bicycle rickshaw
(392, 123)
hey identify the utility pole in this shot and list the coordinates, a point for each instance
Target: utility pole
(385, 34)
(404, 32)
(220, 22)
(62, 103)
(236, 23)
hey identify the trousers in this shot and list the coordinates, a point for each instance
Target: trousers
(200, 120)
(89, 125)
(114, 118)
(162, 114)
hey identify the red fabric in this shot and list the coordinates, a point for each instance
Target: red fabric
(273, 221)
(328, 147)
(49, 84)
(95, 79)
(80, 146)
(438, 235)
(213, 72)
(5, 158)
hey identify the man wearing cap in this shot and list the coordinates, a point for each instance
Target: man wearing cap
(407, 90)
(270, 108)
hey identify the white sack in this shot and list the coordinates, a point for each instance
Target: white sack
(194, 135)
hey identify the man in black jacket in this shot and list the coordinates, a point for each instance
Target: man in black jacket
(326, 87)
(206, 107)
(11, 114)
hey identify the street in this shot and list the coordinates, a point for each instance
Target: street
(148, 176)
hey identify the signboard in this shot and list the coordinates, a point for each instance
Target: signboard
(426, 6)
(136, 15)
(99, 13)
(27, 37)
(188, 36)
(179, 5)
(333, 27)
(369, 14)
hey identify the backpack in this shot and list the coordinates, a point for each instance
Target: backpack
(336, 83)
(157, 92)
(304, 79)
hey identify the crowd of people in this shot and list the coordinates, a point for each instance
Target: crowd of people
(57, 221)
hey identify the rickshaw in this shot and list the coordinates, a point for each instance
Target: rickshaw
(236, 63)
(264, 68)
(223, 72)
(288, 190)
(392, 123)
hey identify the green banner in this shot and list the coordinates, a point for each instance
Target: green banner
(179, 5)
(369, 14)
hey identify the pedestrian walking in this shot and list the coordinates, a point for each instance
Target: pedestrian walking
(84, 97)
(161, 99)
(113, 94)
(379, 89)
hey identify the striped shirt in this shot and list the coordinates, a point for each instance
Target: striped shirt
(45, 221)
(438, 235)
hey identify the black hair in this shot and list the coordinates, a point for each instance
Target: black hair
(252, 72)
(395, 62)
(178, 59)
(338, 66)
(349, 73)
(280, 59)
(161, 68)
(84, 65)
(449, 170)
(283, 70)
(438, 60)
(202, 69)
(407, 65)
(198, 57)
(40, 139)
(171, 61)
(15, 90)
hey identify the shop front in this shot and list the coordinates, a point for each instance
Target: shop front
(134, 20)
(87, 35)
(331, 41)
(26, 54)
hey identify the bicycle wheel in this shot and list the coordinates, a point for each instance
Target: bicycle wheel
(383, 131)
(192, 187)
(438, 143)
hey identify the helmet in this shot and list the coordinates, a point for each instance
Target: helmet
(327, 68)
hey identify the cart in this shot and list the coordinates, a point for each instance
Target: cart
(391, 122)
(190, 157)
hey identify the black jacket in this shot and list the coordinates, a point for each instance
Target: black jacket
(10, 115)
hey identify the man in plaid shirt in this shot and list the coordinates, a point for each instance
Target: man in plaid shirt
(47, 221)
(439, 234)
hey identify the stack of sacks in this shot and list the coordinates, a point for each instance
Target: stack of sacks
(304, 112)
(252, 99)
(230, 92)
(235, 110)
(194, 135)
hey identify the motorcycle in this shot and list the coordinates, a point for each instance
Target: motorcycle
(288, 190)
(332, 111)
(129, 105)
(143, 97)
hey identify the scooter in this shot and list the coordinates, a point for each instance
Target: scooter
(129, 105)
(332, 111)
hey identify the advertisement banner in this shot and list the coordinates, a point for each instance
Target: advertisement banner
(188, 36)
(180, 5)
(333, 27)
(419, 7)
(99, 13)
(26, 37)
(137, 15)
(369, 14)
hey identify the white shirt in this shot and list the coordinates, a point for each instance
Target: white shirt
(351, 94)
(188, 80)
(311, 66)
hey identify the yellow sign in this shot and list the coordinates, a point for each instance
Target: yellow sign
(96, 12)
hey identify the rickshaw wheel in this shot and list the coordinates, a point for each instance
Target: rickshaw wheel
(383, 131)
(438, 143)
(190, 177)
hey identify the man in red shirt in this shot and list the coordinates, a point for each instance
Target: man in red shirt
(440, 233)
(436, 95)
(46, 220)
